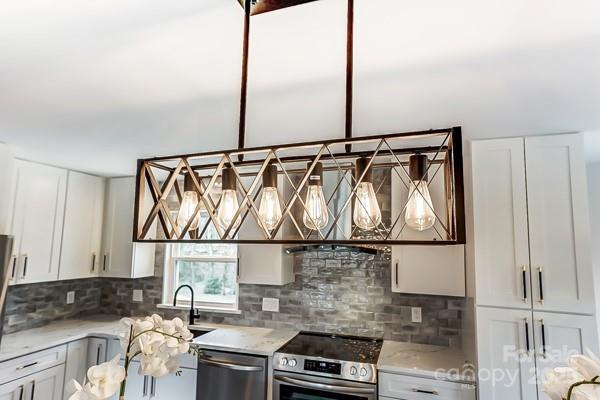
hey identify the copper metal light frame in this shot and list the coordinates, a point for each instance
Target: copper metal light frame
(160, 184)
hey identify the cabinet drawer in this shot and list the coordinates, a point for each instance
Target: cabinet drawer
(410, 388)
(23, 366)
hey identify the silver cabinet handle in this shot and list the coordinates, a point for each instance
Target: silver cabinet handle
(25, 261)
(315, 385)
(145, 389)
(425, 391)
(228, 365)
(541, 283)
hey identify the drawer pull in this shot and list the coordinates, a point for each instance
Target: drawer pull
(27, 366)
(423, 391)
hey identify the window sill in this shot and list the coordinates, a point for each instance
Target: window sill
(206, 309)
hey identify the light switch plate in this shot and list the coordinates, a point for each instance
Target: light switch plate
(416, 314)
(138, 295)
(70, 297)
(270, 304)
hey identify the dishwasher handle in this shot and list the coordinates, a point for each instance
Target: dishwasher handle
(230, 365)
(323, 386)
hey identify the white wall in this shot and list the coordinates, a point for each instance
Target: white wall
(593, 171)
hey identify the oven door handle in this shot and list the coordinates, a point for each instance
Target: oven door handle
(228, 365)
(314, 385)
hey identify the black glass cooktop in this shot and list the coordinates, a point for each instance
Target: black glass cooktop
(334, 347)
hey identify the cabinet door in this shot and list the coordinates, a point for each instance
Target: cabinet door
(505, 343)
(182, 387)
(413, 267)
(76, 366)
(121, 258)
(37, 220)
(500, 224)
(45, 385)
(96, 351)
(558, 336)
(559, 224)
(14, 390)
(82, 233)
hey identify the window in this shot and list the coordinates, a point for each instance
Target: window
(211, 269)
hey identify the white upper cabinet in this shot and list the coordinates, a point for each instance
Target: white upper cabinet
(82, 232)
(559, 231)
(500, 223)
(6, 181)
(121, 258)
(414, 266)
(36, 221)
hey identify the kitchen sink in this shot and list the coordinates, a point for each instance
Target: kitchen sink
(197, 332)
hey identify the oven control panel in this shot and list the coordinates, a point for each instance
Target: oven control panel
(324, 367)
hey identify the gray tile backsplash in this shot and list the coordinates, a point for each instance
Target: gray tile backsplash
(342, 292)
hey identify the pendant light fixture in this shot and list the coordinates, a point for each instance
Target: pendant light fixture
(158, 179)
(316, 215)
(228, 206)
(367, 214)
(270, 208)
(189, 202)
(419, 209)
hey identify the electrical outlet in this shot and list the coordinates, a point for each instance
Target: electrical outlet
(70, 297)
(270, 304)
(138, 295)
(416, 314)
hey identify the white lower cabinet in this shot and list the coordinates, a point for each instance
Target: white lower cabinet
(97, 351)
(515, 347)
(76, 365)
(401, 387)
(43, 385)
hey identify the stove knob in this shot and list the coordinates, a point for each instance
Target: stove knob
(283, 361)
(363, 372)
(293, 362)
(353, 371)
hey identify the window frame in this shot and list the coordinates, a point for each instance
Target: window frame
(169, 280)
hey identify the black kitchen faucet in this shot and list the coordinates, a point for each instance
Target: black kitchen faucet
(193, 313)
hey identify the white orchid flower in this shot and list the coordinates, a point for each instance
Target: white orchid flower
(586, 366)
(105, 379)
(82, 392)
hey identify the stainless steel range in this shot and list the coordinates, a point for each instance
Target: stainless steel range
(327, 367)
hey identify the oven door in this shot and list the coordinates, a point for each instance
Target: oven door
(288, 386)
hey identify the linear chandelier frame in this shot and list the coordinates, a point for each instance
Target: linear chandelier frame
(159, 190)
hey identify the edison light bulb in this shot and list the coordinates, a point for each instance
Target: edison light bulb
(229, 201)
(189, 202)
(188, 206)
(270, 209)
(227, 209)
(419, 209)
(316, 215)
(367, 214)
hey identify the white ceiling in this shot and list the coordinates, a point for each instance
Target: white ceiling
(94, 85)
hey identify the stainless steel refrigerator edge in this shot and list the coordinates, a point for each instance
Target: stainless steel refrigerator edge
(6, 244)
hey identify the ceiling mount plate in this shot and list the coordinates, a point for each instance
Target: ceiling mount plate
(264, 6)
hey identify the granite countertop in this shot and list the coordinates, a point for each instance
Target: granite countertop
(425, 361)
(241, 339)
(248, 340)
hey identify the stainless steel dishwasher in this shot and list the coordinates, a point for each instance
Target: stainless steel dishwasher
(229, 376)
